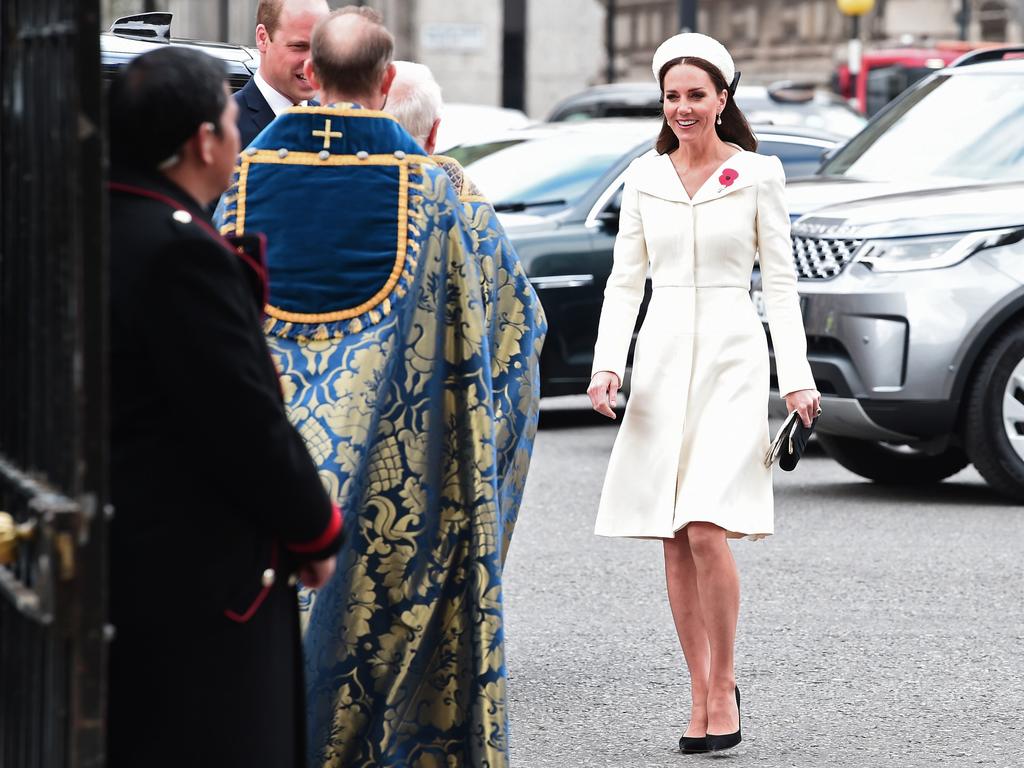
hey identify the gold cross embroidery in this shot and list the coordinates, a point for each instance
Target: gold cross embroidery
(328, 134)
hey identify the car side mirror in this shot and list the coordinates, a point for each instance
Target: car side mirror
(609, 220)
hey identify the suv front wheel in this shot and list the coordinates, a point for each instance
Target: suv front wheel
(994, 419)
(892, 464)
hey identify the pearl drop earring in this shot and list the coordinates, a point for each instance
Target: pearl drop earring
(719, 119)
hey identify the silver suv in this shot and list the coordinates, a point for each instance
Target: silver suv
(914, 301)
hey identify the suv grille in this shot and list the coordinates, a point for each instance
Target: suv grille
(821, 258)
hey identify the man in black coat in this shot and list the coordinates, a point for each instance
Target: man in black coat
(217, 502)
(283, 31)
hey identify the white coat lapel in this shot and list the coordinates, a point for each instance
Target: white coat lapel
(655, 175)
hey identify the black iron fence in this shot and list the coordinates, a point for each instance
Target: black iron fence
(52, 386)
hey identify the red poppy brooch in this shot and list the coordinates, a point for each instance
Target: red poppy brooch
(727, 178)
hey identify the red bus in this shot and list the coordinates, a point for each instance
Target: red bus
(885, 74)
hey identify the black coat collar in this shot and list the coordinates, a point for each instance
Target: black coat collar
(250, 249)
(157, 182)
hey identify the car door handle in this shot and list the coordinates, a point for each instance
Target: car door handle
(561, 281)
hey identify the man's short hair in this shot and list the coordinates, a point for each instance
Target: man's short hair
(415, 98)
(268, 13)
(358, 67)
(159, 100)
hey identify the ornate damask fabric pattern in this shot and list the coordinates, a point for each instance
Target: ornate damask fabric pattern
(510, 301)
(420, 415)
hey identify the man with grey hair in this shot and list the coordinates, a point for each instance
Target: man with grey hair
(415, 101)
(417, 401)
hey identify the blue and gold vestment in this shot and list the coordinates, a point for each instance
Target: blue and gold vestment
(408, 339)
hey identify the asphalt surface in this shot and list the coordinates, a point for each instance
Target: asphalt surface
(880, 626)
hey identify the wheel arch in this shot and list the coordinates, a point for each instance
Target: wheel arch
(1011, 311)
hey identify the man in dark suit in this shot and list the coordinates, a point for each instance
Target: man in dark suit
(217, 499)
(283, 30)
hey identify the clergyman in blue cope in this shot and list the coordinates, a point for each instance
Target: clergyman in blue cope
(401, 332)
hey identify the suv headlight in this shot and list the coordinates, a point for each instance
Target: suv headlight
(911, 253)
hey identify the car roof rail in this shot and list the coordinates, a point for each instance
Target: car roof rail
(990, 54)
(146, 26)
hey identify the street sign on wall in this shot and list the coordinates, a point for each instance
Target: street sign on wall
(444, 36)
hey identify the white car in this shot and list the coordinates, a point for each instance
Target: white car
(472, 123)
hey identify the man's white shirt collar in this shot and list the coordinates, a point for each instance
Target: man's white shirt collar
(277, 102)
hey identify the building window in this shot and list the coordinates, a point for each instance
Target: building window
(788, 25)
(740, 29)
(993, 17)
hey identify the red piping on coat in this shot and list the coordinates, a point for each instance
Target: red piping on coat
(241, 618)
(325, 538)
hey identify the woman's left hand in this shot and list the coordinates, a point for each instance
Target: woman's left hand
(806, 402)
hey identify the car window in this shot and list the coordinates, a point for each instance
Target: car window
(467, 154)
(984, 137)
(577, 113)
(797, 159)
(636, 110)
(561, 167)
(886, 83)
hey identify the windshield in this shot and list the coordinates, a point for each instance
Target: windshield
(558, 168)
(963, 127)
(832, 118)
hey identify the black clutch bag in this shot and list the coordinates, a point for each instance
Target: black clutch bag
(790, 442)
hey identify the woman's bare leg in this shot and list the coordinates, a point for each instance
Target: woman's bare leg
(683, 596)
(718, 583)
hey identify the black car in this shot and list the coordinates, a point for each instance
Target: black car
(132, 35)
(558, 188)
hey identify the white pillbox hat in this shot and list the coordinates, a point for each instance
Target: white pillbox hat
(698, 46)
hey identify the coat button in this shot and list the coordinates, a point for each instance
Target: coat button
(182, 217)
(268, 577)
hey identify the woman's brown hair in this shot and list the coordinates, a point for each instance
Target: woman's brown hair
(734, 127)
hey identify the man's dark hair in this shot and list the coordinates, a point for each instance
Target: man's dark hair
(268, 13)
(359, 67)
(159, 100)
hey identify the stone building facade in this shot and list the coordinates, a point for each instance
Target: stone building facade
(564, 44)
(772, 39)
(462, 41)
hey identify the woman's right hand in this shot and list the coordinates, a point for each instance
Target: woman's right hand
(604, 386)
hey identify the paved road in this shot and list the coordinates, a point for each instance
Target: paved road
(879, 626)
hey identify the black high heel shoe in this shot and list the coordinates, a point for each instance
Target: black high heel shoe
(693, 745)
(716, 743)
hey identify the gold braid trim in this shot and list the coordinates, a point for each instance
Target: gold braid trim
(343, 111)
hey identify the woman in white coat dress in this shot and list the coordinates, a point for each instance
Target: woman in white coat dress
(687, 466)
